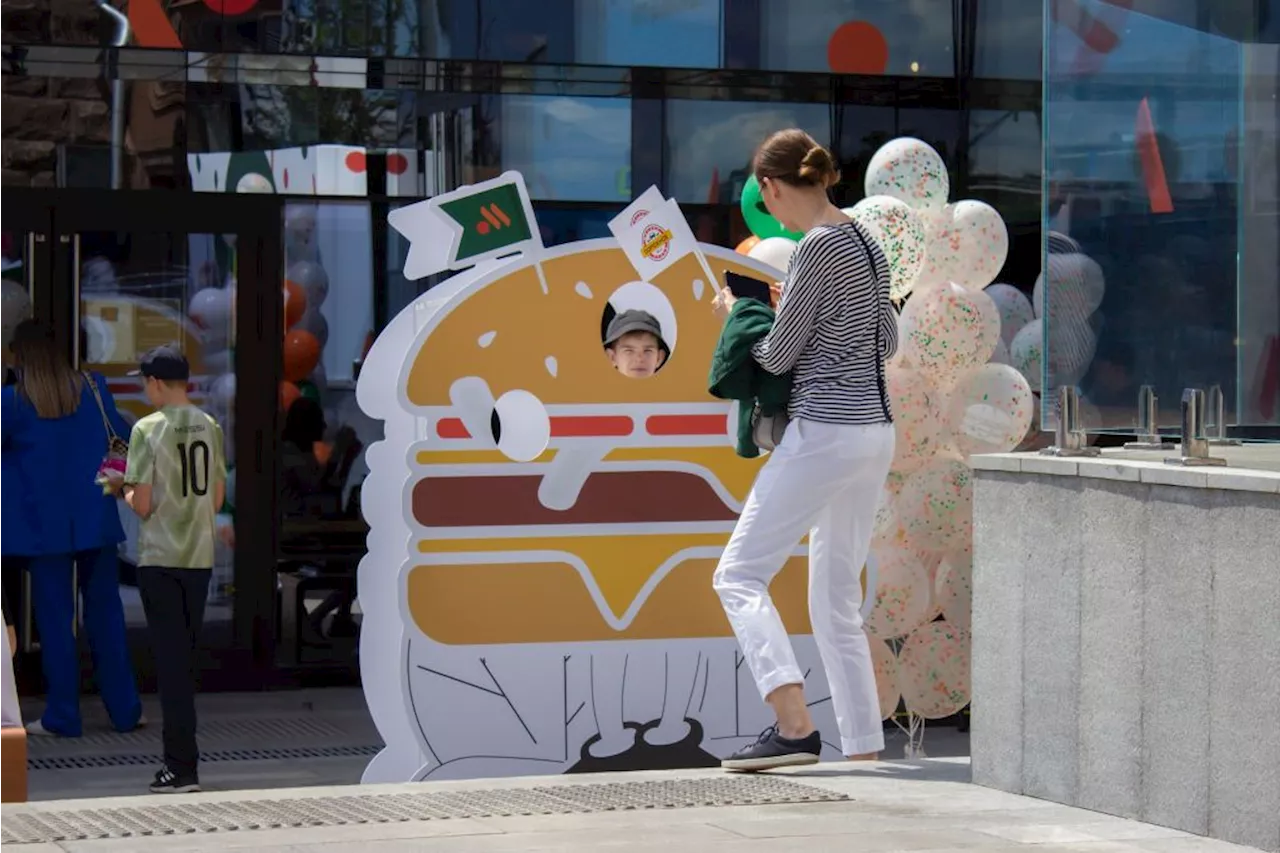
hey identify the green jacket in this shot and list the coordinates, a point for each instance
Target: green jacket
(735, 374)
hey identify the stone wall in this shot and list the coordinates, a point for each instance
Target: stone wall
(1126, 642)
(40, 113)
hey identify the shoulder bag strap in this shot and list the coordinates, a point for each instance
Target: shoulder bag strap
(102, 409)
(875, 275)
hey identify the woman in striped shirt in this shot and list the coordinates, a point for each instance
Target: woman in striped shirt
(834, 330)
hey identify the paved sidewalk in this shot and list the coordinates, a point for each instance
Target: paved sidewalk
(894, 806)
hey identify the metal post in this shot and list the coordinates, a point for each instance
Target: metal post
(1069, 439)
(1216, 430)
(1149, 437)
(119, 40)
(1195, 447)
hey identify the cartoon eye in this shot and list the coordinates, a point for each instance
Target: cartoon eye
(521, 426)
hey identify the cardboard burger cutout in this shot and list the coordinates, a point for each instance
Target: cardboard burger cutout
(537, 594)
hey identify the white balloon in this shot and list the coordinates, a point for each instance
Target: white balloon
(1074, 288)
(990, 410)
(901, 234)
(252, 182)
(300, 231)
(222, 393)
(313, 280)
(15, 306)
(211, 310)
(983, 240)
(774, 251)
(909, 170)
(1014, 307)
(1001, 354)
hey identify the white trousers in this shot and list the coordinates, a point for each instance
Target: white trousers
(823, 479)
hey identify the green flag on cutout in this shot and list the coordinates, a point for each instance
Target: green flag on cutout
(491, 220)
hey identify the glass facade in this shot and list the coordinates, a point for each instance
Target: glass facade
(337, 111)
(1160, 148)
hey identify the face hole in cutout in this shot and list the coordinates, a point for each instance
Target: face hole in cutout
(643, 325)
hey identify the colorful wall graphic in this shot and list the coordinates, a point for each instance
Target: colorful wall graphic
(537, 592)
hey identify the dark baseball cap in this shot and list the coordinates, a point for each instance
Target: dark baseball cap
(166, 363)
(633, 320)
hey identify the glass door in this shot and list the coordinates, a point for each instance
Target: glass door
(139, 270)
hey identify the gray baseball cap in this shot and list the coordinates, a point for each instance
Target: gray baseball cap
(634, 320)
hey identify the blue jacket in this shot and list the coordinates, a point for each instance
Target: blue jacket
(51, 505)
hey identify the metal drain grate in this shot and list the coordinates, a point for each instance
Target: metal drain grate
(81, 762)
(27, 827)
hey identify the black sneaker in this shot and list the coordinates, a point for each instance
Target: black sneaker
(772, 750)
(168, 782)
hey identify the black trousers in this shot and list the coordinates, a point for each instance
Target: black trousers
(173, 600)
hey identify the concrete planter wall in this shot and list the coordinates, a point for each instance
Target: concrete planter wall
(1126, 640)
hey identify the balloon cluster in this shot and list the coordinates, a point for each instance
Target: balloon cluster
(953, 393)
(306, 287)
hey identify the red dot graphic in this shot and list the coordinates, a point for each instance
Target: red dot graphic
(231, 7)
(397, 164)
(356, 161)
(857, 47)
(482, 227)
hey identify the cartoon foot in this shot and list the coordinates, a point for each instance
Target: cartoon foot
(610, 744)
(667, 732)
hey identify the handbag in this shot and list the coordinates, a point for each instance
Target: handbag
(116, 459)
(767, 430)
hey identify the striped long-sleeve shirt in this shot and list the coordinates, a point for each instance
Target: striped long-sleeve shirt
(825, 330)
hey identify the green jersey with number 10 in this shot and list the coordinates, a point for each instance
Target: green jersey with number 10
(178, 450)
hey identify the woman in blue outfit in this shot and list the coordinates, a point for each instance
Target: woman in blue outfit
(55, 517)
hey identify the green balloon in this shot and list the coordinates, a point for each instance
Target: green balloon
(309, 390)
(760, 221)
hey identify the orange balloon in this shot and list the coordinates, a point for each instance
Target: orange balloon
(322, 451)
(747, 245)
(295, 303)
(289, 394)
(301, 354)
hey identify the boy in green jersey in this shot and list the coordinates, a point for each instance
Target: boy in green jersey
(175, 481)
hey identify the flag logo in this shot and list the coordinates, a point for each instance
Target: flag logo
(655, 242)
(494, 218)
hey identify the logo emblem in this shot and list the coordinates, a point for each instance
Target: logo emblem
(655, 242)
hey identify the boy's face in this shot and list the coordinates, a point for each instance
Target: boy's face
(636, 354)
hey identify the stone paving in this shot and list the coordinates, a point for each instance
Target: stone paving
(926, 805)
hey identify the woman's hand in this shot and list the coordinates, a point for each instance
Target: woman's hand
(775, 290)
(723, 303)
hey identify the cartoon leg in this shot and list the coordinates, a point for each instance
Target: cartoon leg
(681, 672)
(608, 680)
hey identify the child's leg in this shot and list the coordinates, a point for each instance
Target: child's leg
(172, 629)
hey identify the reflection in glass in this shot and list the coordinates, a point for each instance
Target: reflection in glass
(1144, 175)
(683, 34)
(140, 291)
(569, 149)
(1009, 36)
(866, 37)
(710, 143)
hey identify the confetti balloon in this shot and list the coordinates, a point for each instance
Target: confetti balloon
(1000, 355)
(936, 505)
(990, 410)
(1014, 307)
(916, 421)
(911, 171)
(933, 670)
(886, 513)
(1026, 353)
(902, 594)
(953, 588)
(949, 329)
(983, 242)
(885, 664)
(901, 234)
(774, 251)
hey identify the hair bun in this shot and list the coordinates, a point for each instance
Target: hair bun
(819, 168)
